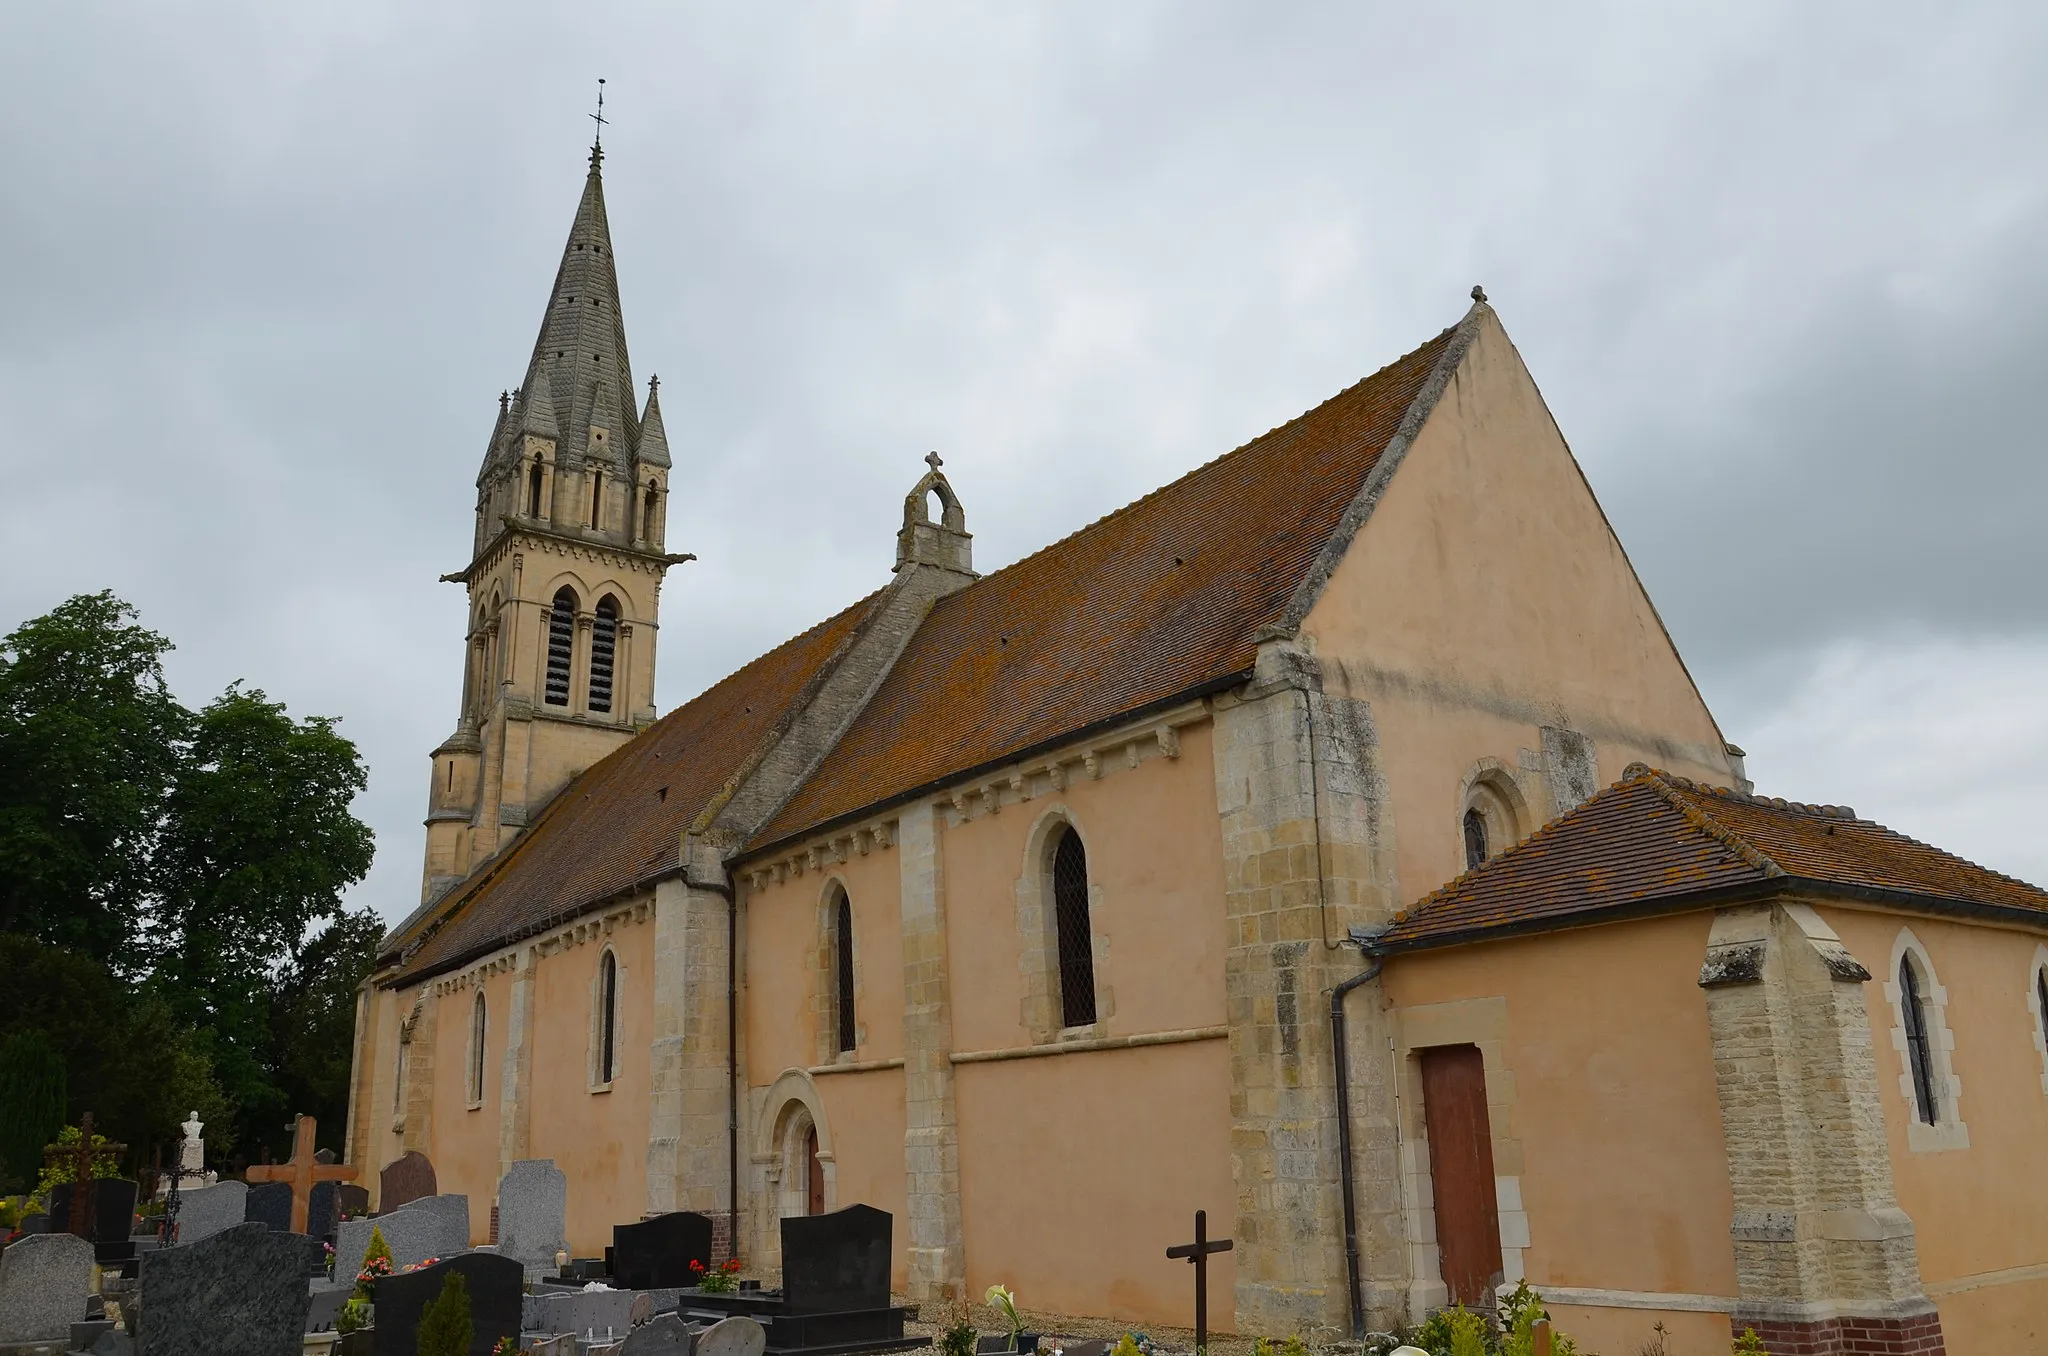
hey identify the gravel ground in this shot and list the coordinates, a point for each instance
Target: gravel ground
(1056, 1329)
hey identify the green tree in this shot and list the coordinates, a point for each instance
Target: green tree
(313, 1019)
(90, 743)
(445, 1327)
(31, 1106)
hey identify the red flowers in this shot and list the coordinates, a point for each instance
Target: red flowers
(719, 1280)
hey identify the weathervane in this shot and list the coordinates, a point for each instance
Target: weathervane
(597, 142)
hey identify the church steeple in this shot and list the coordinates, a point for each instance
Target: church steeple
(565, 571)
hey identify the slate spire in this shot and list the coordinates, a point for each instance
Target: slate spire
(579, 364)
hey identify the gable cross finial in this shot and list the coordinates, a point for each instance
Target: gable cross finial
(597, 142)
(933, 460)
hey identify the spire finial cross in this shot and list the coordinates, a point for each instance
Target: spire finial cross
(597, 142)
(933, 460)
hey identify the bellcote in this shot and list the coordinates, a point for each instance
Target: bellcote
(942, 545)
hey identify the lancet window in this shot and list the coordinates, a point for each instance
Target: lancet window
(477, 1030)
(561, 646)
(842, 972)
(1919, 1047)
(1073, 927)
(608, 1018)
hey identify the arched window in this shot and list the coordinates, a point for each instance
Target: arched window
(1475, 838)
(607, 1017)
(1077, 946)
(477, 1030)
(1919, 1048)
(842, 972)
(647, 515)
(561, 645)
(533, 490)
(398, 1077)
(604, 644)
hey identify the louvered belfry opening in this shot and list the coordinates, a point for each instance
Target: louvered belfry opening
(561, 645)
(1077, 947)
(1919, 1050)
(842, 970)
(604, 644)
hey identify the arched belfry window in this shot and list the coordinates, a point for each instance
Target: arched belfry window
(1919, 1046)
(608, 1017)
(1073, 926)
(604, 645)
(842, 973)
(561, 646)
(477, 1030)
(647, 515)
(1475, 838)
(533, 490)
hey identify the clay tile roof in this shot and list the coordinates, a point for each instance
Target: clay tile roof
(621, 822)
(1154, 601)
(1657, 841)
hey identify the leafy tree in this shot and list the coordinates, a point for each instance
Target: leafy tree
(89, 746)
(445, 1326)
(313, 1019)
(31, 1105)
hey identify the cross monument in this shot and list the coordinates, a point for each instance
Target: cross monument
(1198, 1252)
(302, 1172)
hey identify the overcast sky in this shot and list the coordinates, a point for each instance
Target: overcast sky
(1779, 270)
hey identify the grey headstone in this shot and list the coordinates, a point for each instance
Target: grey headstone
(87, 1332)
(44, 1281)
(406, 1179)
(735, 1336)
(561, 1344)
(269, 1204)
(582, 1311)
(533, 1204)
(642, 1310)
(324, 1302)
(205, 1211)
(1088, 1348)
(494, 1289)
(452, 1213)
(240, 1293)
(112, 1343)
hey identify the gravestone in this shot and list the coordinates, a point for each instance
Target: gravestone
(561, 1344)
(320, 1211)
(494, 1290)
(269, 1204)
(1091, 1348)
(533, 1202)
(112, 1213)
(406, 1179)
(421, 1230)
(240, 1293)
(44, 1281)
(735, 1336)
(598, 1311)
(836, 1262)
(657, 1252)
(38, 1223)
(208, 1210)
(352, 1200)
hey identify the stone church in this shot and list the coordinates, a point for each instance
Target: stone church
(1332, 840)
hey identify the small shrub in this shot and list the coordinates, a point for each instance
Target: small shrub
(960, 1335)
(1749, 1344)
(353, 1316)
(376, 1265)
(445, 1326)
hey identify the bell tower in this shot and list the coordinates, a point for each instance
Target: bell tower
(565, 570)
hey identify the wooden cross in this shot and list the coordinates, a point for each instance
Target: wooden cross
(302, 1172)
(1198, 1252)
(82, 1220)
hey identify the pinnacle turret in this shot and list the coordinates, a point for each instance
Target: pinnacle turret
(653, 446)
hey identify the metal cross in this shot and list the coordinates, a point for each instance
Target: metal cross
(933, 460)
(1198, 1252)
(598, 143)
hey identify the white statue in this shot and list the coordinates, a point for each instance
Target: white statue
(192, 1150)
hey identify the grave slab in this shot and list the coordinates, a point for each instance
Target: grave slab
(205, 1211)
(579, 1311)
(657, 1252)
(44, 1282)
(413, 1233)
(735, 1336)
(494, 1289)
(241, 1292)
(836, 1262)
(533, 1201)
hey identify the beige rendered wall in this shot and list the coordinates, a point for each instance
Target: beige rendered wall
(787, 974)
(597, 1138)
(1485, 598)
(1980, 1212)
(465, 1138)
(1604, 1108)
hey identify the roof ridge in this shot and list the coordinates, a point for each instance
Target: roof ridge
(1214, 461)
(1698, 817)
(1843, 812)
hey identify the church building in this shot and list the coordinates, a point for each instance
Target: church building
(1332, 840)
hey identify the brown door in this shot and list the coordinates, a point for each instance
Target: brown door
(1461, 1170)
(815, 1201)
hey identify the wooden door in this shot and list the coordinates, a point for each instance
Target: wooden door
(814, 1203)
(1461, 1170)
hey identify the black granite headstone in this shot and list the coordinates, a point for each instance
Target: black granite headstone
(37, 1223)
(113, 1209)
(836, 1262)
(241, 1292)
(496, 1283)
(269, 1204)
(656, 1253)
(320, 1211)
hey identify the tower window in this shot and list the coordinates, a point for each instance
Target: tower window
(604, 643)
(1475, 839)
(842, 971)
(1919, 1049)
(561, 644)
(533, 490)
(647, 516)
(1076, 945)
(597, 498)
(608, 1018)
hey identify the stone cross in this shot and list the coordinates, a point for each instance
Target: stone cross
(1198, 1252)
(302, 1172)
(933, 460)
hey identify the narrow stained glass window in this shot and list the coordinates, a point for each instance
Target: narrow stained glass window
(1919, 1050)
(842, 970)
(608, 1018)
(1076, 944)
(1475, 839)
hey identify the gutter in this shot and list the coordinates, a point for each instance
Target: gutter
(1344, 1173)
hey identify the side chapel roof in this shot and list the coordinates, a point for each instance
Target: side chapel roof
(1655, 842)
(1153, 603)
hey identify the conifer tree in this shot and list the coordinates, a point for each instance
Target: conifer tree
(445, 1326)
(31, 1104)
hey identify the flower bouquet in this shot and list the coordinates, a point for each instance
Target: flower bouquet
(722, 1279)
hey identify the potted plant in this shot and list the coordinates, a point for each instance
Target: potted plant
(1001, 1299)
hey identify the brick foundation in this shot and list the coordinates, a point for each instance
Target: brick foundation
(1919, 1335)
(721, 1236)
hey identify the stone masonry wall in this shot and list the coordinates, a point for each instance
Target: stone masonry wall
(931, 1143)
